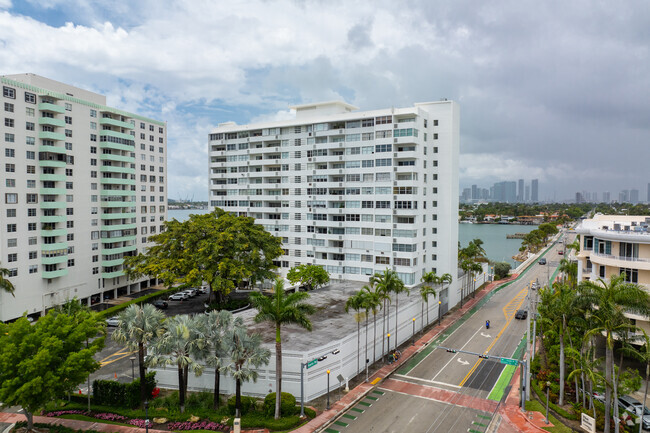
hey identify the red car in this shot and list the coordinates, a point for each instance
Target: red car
(561, 253)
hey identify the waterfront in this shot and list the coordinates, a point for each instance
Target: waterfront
(497, 247)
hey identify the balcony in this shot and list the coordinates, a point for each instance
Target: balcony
(51, 121)
(116, 193)
(53, 247)
(116, 169)
(53, 177)
(117, 215)
(54, 232)
(620, 261)
(54, 260)
(116, 181)
(55, 274)
(114, 122)
(46, 135)
(53, 219)
(53, 163)
(111, 157)
(119, 250)
(113, 274)
(107, 132)
(118, 239)
(53, 204)
(53, 149)
(116, 146)
(129, 226)
(116, 262)
(52, 191)
(46, 106)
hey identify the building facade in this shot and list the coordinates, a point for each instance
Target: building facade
(534, 191)
(353, 191)
(84, 186)
(612, 245)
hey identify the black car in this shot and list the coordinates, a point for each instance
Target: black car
(542, 261)
(521, 314)
(160, 304)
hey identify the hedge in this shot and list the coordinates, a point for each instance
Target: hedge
(287, 404)
(247, 404)
(54, 428)
(112, 311)
(112, 393)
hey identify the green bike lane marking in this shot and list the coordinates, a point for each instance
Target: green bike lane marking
(348, 416)
(508, 371)
(418, 357)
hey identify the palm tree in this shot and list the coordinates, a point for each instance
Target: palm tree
(176, 346)
(246, 355)
(377, 281)
(427, 289)
(570, 270)
(281, 309)
(137, 327)
(611, 300)
(215, 329)
(356, 303)
(373, 299)
(5, 284)
(390, 283)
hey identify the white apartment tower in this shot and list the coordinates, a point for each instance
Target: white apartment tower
(84, 186)
(353, 191)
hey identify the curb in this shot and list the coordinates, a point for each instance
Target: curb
(8, 429)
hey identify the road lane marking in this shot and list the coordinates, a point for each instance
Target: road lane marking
(435, 382)
(461, 361)
(376, 381)
(121, 354)
(507, 311)
(448, 362)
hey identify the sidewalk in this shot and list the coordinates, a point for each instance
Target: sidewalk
(513, 417)
(12, 418)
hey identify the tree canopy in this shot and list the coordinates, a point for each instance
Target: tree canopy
(43, 361)
(219, 248)
(312, 276)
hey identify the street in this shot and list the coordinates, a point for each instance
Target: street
(441, 391)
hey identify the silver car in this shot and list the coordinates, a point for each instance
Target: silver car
(113, 321)
(634, 407)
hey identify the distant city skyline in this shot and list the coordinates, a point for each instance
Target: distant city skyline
(504, 191)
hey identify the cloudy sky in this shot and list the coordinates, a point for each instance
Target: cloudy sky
(555, 90)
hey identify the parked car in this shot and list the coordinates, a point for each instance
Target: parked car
(561, 252)
(180, 296)
(113, 321)
(521, 314)
(191, 292)
(542, 261)
(203, 290)
(633, 408)
(160, 304)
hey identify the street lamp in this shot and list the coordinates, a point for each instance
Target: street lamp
(439, 311)
(474, 289)
(304, 365)
(548, 386)
(388, 348)
(413, 341)
(146, 416)
(328, 390)
(132, 368)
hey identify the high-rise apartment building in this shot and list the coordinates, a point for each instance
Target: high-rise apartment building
(534, 191)
(606, 196)
(353, 191)
(634, 196)
(520, 191)
(84, 186)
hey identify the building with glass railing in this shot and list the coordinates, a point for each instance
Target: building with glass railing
(355, 192)
(84, 186)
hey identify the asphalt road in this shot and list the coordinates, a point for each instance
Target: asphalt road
(439, 391)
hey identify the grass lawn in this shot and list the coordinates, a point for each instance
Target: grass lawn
(558, 426)
(91, 419)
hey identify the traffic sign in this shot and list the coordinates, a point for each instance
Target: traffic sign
(509, 361)
(312, 363)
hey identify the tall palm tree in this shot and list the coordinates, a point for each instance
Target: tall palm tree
(570, 270)
(373, 299)
(246, 355)
(356, 302)
(137, 327)
(377, 281)
(5, 284)
(281, 309)
(390, 283)
(611, 300)
(429, 279)
(215, 329)
(176, 346)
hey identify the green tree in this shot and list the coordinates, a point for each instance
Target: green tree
(389, 282)
(570, 270)
(312, 276)
(5, 284)
(610, 301)
(246, 355)
(429, 279)
(137, 327)
(43, 361)
(548, 229)
(282, 308)
(219, 248)
(501, 270)
(215, 329)
(356, 303)
(384, 296)
(177, 346)
(373, 301)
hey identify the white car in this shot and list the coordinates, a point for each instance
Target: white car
(191, 292)
(113, 321)
(181, 296)
(203, 290)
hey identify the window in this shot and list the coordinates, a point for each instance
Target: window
(31, 226)
(68, 132)
(13, 257)
(31, 169)
(30, 112)
(31, 212)
(70, 263)
(93, 137)
(9, 107)
(11, 213)
(31, 183)
(11, 198)
(10, 183)
(29, 126)
(68, 106)
(30, 97)
(8, 92)
(33, 269)
(32, 240)
(70, 237)
(9, 138)
(32, 198)
(68, 146)
(631, 275)
(13, 242)
(93, 113)
(9, 122)
(380, 260)
(30, 154)
(10, 168)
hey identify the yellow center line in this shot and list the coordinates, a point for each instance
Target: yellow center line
(120, 354)
(507, 312)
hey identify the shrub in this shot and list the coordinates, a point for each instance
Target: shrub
(247, 404)
(287, 404)
(53, 428)
(501, 270)
(112, 393)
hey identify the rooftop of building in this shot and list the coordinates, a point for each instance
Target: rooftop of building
(619, 224)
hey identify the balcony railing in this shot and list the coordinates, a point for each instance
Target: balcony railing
(622, 258)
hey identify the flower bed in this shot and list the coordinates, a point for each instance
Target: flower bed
(200, 425)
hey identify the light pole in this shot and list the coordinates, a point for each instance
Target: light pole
(328, 389)
(413, 340)
(132, 368)
(304, 365)
(474, 289)
(388, 349)
(548, 386)
(146, 416)
(439, 311)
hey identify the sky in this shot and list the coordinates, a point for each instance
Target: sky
(553, 90)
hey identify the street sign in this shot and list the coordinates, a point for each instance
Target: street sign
(312, 363)
(509, 361)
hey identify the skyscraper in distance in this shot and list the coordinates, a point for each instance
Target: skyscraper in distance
(520, 191)
(534, 190)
